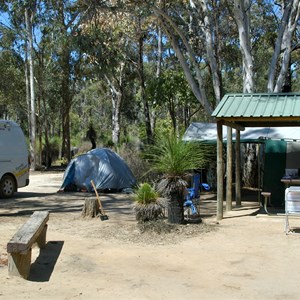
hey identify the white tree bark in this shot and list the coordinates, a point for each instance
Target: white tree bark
(210, 49)
(115, 86)
(158, 72)
(28, 20)
(282, 29)
(241, 13)
(196, 84)
(287, 45)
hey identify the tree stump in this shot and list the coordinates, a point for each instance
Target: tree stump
(90, 208)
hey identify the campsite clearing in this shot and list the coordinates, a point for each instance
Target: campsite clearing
(243, 257)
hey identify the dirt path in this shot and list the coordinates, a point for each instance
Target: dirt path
(244, 257)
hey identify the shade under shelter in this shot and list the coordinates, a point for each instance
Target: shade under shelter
(239, 111)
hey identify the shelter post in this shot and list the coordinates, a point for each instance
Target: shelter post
(229, 170)
(238, 188)
(220, 175)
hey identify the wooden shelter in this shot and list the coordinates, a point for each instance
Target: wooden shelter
(237, 111)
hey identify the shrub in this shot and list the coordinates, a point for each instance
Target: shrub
(145, 194)
(147, 205)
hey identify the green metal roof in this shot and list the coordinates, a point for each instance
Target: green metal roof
(247, 109)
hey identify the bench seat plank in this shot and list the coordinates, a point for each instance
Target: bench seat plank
(27, 235)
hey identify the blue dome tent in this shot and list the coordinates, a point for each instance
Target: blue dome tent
(105, 167)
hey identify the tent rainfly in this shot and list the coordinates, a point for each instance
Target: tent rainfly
(105, 167)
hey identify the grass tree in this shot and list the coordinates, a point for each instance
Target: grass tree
(174, 159)
(147, 205)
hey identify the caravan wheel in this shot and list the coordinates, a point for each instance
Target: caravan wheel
(7, 186)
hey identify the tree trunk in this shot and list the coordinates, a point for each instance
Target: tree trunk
(66, 106)
(27, 86)
(196, 83)
(157, 75)
(241, 13)
(39, 128)
(287, 45)
(116, 113)
(90, 208)
(175, 207)
(116, 86)
(46, 151)
(29, 50)
(250, 165)
(149, 133)
(276, 53)
(210, 51)
(65, 61)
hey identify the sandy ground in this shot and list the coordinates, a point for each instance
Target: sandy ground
(246, 256)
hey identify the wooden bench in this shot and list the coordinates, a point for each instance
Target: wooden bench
(20, 245)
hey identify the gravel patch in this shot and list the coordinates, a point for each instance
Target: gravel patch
(152, 233)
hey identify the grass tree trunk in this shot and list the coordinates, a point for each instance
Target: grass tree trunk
(175, 207)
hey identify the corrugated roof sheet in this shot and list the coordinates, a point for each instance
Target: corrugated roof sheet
(258, 105)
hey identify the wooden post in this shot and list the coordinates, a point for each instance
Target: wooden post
(238, 169)
(220, 175)
(19, 264)
(229, 170)
(41, 240)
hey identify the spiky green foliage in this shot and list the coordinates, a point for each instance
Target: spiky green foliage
(145, 194)
(147, 205)
(174, 157)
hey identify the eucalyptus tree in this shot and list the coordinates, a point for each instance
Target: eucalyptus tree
(107, 47)
(241, 10)
(48, 80)
(63, 28)
(287, 18)
(12, 88)
(21, 17)
(177, 37)
(198, 31)
(140, 31)
(175, 100)
(201, 30)
(281, 59)
(121, 31)
(29, 11)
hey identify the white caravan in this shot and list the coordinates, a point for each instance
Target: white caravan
(14, 159)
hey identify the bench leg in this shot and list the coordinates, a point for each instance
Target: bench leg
(41, 240)
(19, 264)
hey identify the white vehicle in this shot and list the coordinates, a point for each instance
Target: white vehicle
(14, 162)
